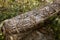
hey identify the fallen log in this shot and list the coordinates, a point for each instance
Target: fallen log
(27, 26)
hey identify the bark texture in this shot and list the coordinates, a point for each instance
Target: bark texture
(31, 25)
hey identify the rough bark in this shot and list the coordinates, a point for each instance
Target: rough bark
(57, 1)
(30, 25)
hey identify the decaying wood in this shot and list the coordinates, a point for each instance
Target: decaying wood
(27, 26)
